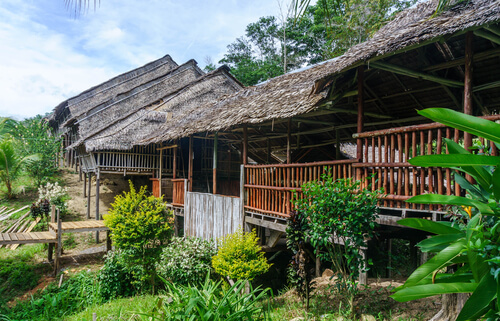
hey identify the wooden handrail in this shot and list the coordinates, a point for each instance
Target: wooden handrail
(334, 162)
(406, 129)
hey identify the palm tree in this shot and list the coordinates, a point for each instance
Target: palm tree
(11, 165)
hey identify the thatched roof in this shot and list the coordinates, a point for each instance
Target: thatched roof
(83, 102)
(120, 107)
(175, 103)
(302, 91)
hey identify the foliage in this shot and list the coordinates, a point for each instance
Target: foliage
(340, 209)
(56, 302)
(240, 257)
(211, 301)
(471, 242)
(299, 272)
(186, 260)
(11, 164)
(271, 48)
(140, 224)
(33, 136)
(117, 278)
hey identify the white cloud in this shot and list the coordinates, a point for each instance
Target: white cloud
(48, 56)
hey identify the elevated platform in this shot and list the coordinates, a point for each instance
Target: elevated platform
(79, 226)
(24, 238)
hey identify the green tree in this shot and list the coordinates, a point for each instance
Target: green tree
(341, 215)
(11, 164)
(471, 243)
(140, 225)
(33, 136)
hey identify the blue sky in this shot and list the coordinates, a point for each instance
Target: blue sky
(46, 55)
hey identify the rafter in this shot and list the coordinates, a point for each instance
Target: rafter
(487, 35)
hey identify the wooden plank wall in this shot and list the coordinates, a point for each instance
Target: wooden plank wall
(211, 216)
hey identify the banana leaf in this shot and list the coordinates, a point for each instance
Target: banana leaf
(427, 290)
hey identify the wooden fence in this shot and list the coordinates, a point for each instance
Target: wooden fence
(270, 188)
(211, 216)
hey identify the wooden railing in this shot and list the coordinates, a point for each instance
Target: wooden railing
(270, 188)
(179, 188)
(385, 159)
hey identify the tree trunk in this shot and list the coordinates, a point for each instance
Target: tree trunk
(452, 304)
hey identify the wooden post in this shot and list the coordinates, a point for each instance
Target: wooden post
(79, 173)
(363, 276)
(190, 164)
(337, 144)
(268, 156)
(242, 195)
(289, 142)
(97, 216)
(361, 104)
(58, 244)
(88, 195)
(160, 174)
(214, 188)
(389, 258)
(84, 186)
(51, 245)
(174, 165)
(245, 144)
(468, 84)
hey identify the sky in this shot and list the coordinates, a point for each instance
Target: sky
(47, 55)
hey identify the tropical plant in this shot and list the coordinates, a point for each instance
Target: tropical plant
(240, 256)
(116, 277)
(33, 136)
(341, 216)
(11, 164)
(211, 301)
(186, 260)
(140, 224)
(471, 243)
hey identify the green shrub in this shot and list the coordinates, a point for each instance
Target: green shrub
(211, 301)
(140, 224)
(117, 278)
(186, 260)
(240, 257)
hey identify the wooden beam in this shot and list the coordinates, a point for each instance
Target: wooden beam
(245, 145)
(289, 143)
(469, 38)
(190, 164)
(494, 84)
(361, 107)
(415, 74)
(167, 147)
(494, 29)
(487, 35)
(214, 173)
(335, 110)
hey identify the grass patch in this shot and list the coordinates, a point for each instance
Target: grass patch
(118, 309)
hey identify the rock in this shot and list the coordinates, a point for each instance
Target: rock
(367, 317)
(327, 273)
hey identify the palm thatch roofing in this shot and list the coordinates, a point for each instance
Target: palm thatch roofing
(399, 42)
(83, 102)
(175, 103)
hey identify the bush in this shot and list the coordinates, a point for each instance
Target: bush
(211, 301)
(140, 224)
(116, 277)
(186, 260)
(240, 257)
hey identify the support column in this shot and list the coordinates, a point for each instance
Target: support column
(190, 164)
(97, 216)
(289, 142)
(268, 156)
(174, 161)
(337, 144)
(361, 104)
(469, 36)
(389, 258)
(214, 188)
(160, 174)
(84, 185)
(88, 195)
(363, 276)
(245, 145)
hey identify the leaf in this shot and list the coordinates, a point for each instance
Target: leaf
(480, 299)
(472, 189)
(428, 226)
(451, 200)
(437, 262)
(474, 125)
(430, 244)
(427, 290)
(454, 160)
(496, 183)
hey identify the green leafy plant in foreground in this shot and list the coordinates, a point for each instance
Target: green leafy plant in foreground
(472, 243)
(211, 301)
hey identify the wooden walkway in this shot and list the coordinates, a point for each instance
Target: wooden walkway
(79, 226)
(24, 238)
